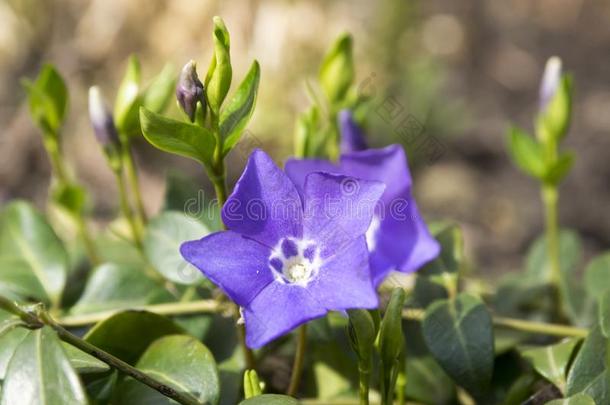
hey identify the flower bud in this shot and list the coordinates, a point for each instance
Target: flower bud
(101, 119)
(189, 90)
(550, 82)
(352, 138)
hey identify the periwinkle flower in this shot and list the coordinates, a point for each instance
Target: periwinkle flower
(189, 90)
(290, 254)
(398, 238)
(102, 120)
(550, 82)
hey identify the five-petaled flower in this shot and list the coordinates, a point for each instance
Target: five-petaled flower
(398, 238)
(290, 254)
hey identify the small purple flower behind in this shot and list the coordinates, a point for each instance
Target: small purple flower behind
(290, 255)
(398, 238)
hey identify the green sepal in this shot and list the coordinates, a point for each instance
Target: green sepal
(220, 72)
(128, 98)
(337, 70)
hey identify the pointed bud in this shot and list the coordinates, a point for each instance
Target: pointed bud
(352, 138)
(189, 90)
(550, 82)
(101, 119)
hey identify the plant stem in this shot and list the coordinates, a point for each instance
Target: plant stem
(550, 198)
(363, 383)
(87, 240)
(40, 318)
(132, 176)
(126, 210)
(299, 357)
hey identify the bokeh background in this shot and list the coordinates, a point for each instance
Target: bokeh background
(464, 70)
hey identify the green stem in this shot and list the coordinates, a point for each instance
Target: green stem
(39, 318)
(126, 210)
(401, 380)
(299, 357)
(364, 377)
(132, 176)
(550, 198)
(87, 240)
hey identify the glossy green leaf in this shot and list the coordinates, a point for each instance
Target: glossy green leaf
(578, 399)
(161, 90)
(19, 282)
(459, 334)
(112, 286)
(559, 170)
(25, 235)
(526, 152)
(8, 343)
(220, 72)
(177, 137)
(270, 399)
(128, 333)
(48, 99)
(128, 98)
(237, 113)
(82, 362)
(40, 373)
(179, 361)
(337, 70)
(597, 275)
(588, 373)
(604, 313)
(162, 242)
(552, 361)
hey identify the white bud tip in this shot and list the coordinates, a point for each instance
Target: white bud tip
(550, 80)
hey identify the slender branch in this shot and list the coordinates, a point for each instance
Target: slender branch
(126, 210)
(550, 199)
(299, 357)
(39, 318)
(132, 176)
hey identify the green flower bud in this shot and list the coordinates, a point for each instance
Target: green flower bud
(218, 78)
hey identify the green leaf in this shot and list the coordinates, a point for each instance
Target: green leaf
(25, 235)
(128, 99)
(362, 330)
(526, 152)
(237, 113)
(48, 99)
(459, 335)
(8, 343)
(604, 313)
(179, 361)
(588, 373)
(552, 361)
(161, 90)
(556, 173)
(270, 399)
(40, 373)
(427, 382)
(82, 362)
(19, 282)
(113, 287)
(337, 70)
(136, 329)
(218, 78)
(597, 275)
(70, 197)
(578, 399)
(178, 137)
(162, 242)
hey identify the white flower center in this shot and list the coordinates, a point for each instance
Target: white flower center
(294, 262)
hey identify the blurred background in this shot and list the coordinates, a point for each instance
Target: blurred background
(459, 71)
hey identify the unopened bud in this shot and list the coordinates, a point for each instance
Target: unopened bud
(550, 82)
(101, 119)
(189, 90)
(352, 138)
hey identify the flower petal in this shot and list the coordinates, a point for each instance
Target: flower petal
(277, 310)
(265, 204)
(352, 137)
(338, 209)
(237, 264)
(402, 241)
(344, 281)
(298, 169)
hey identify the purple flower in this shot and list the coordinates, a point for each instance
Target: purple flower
(397, 238)
(290, 255)
(189, 90)
(352, 138)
